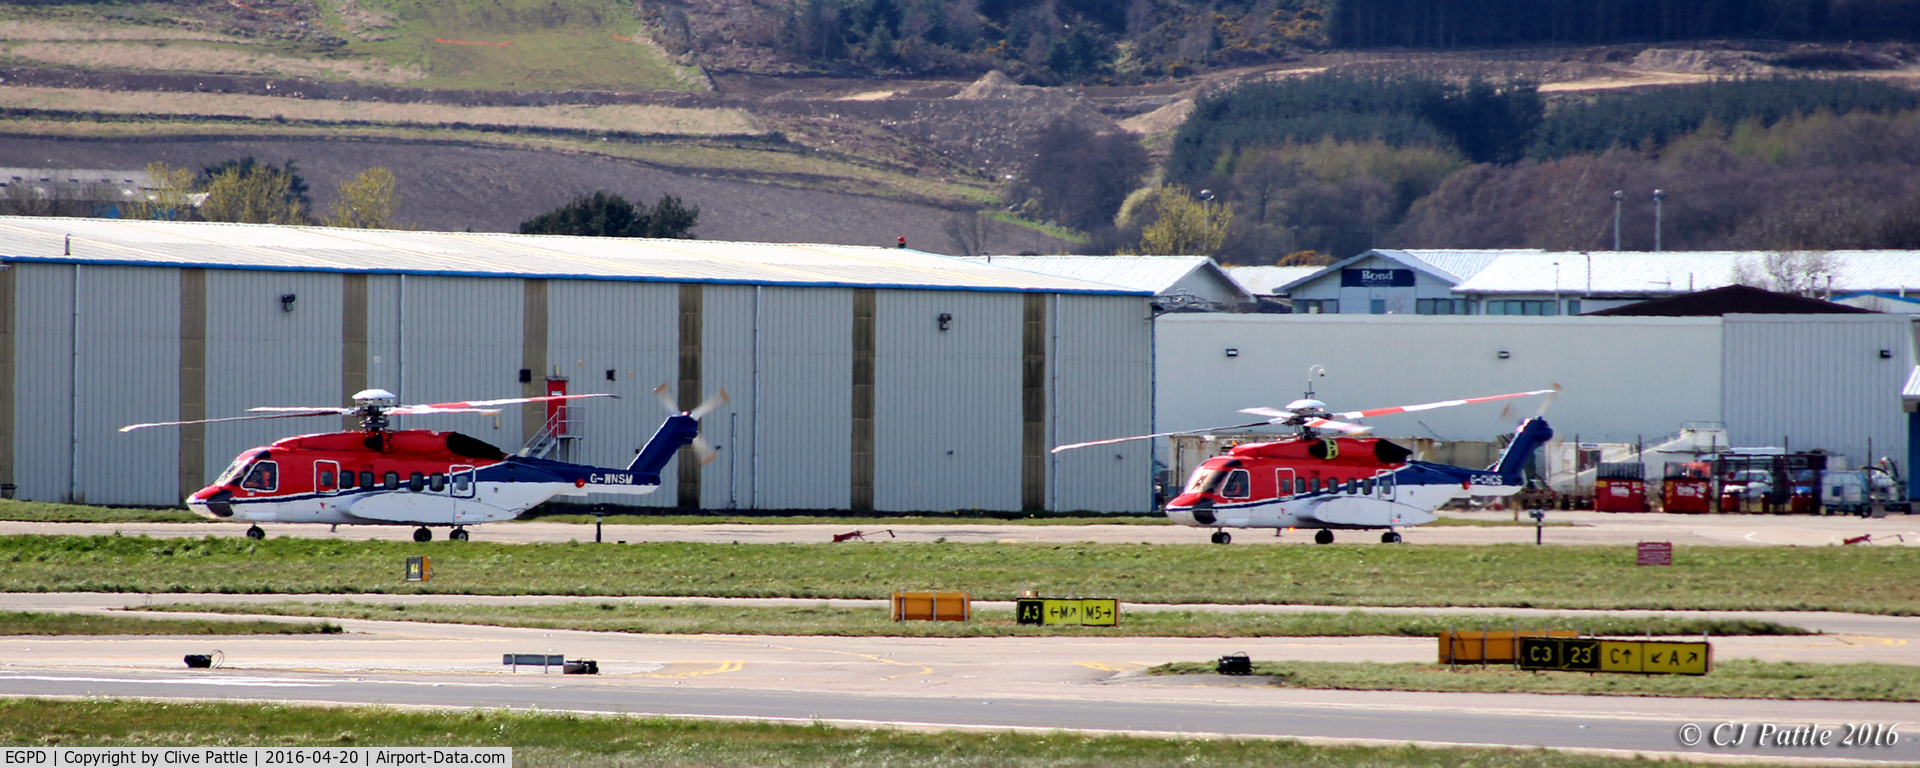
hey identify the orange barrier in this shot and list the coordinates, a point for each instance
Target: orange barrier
(932, 606)
(1489, 647)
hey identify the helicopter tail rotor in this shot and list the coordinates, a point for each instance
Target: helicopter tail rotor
(702, 449)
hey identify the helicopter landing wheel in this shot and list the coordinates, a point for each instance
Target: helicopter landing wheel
(1323, 537)
(423, 535)
(256, 532)
(1390, 537)
(458, 534)
(1222, 537)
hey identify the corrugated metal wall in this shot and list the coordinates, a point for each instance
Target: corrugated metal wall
(1818, 381)
(727, 347)
(805, 410)
(947, 403)
(260, 354)
(1102, 383)
(43, 389)
(462, 339)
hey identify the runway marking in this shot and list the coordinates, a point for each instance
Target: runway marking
(923, 669)
(722, 667)
(1110, 666)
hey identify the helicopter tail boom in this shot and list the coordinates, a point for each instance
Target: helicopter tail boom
(676, 431)
(1531, 434)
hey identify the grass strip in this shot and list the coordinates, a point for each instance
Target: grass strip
(703, 618)
(46, 512)
(1859, 579)
(28, 623)
(1731, 679)
(637, 742)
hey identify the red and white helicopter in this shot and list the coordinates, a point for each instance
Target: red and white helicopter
(1336, 483)
(382, 476)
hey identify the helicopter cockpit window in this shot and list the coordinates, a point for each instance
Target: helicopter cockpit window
(1237, 485)
(1205, 480)
(239, 466)
(264, 476)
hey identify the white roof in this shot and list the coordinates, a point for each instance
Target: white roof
(1139, 273)
(1912, 390)
(1673, 272)
(1266, 281)
(478, 254)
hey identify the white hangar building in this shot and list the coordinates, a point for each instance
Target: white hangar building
(1546, 283)
(1828, 381)
(861, 378)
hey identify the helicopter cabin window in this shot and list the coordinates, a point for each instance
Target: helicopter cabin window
(323, 476)
(393, 481)
(1316, 485)
(437, 481)
(1353, 486)
(1386, 485)
(463, 483)
(1238, 486)
(416, 482)
(366, 479)
(346, 479)
(1366, 486)
(1286, 486)
(264, 476)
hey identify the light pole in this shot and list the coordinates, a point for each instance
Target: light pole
(1658, 195)
(1617, 197)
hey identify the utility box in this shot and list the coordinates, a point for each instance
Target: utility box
(1686, 487)
(932, 606)
(1620, 487)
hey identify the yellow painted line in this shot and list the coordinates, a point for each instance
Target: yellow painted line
(721, 667)
(1109, 666)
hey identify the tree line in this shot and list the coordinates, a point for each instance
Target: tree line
(241, 190)
(1324, 167)
(1466, 23)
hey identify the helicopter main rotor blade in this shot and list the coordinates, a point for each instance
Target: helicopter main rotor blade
(1441, 404)
(292, 415)
(463, 406)
(1338, 426)
(1112, 440)
(1275, 414)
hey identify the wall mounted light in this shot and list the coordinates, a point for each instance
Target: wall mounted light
(1886, 354)
(286, 302)
(526, 375)
(610, 376)
(1233, 351)
(1504, 355)
(945, 320)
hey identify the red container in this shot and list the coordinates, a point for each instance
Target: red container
(1690, 496)
(1620, 496)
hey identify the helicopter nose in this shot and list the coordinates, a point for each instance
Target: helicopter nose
(212, 503)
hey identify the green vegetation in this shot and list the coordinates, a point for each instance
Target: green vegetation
(522, 45)
(591, 742)
(1627, 119)
(1733, 679)
(605, 214)
(28, 623)
(1860, 579)
(48, 512)
(1440, 24)
(706, 618)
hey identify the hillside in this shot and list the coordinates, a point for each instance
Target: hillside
(489, 111)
